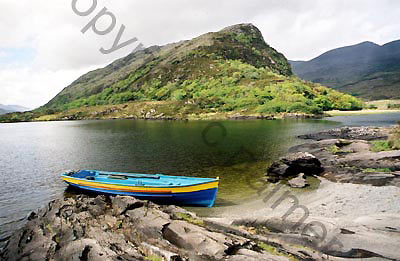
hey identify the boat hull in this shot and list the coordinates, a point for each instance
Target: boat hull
(198, 194)
(202, 198)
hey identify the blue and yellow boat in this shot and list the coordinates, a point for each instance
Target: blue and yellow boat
(160, 188)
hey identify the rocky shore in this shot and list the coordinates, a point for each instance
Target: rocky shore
(123, 228)
(353, 214)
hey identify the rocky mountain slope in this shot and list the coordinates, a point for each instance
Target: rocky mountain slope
(187, 60)
(367, 70)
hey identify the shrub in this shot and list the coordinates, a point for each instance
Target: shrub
(371, 170)
(243, 38)
(303, 107)
(178, 95)
(273, 107)
(323, 103)
(122, 97)
(393, 106)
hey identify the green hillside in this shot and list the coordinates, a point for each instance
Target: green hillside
(232, 70)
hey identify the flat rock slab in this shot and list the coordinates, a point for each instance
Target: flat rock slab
(351, 133)
(298, 182)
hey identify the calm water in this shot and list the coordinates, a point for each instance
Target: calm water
(32, 155)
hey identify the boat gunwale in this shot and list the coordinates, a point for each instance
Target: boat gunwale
(126, 185)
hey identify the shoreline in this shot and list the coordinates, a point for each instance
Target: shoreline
(153, 116)
(357, 202)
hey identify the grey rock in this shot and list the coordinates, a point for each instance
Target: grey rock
(97, 205)
(351, 133)
(121, 204)
(249, 255)
(298, 182)
(278, 169)
(293, 164)
(194, 238)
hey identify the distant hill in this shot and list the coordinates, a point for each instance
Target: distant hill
(3, 111)
(367, 70)
(12, 108)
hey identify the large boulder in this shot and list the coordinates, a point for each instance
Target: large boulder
(194, 238)
(294, 164)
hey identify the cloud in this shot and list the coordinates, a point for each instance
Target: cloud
(3, 54)
(298, 29)
(32, 87)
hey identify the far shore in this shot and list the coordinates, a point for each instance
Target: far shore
(362, 112)
(167, 111)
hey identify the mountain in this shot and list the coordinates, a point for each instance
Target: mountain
(229, 72)
(186, 60)
(12, 108)
(367, 70)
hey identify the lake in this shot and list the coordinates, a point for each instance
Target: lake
(32, 155)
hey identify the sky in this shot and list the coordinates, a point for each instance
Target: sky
(43, 48)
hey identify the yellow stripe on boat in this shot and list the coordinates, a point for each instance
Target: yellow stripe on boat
(182, 189)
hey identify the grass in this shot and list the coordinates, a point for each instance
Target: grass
(392, 143)
(270, 249)
(188, 218)
(372, 170)
(154, 258)
(274, 250)
(381, 145)
(334, 149)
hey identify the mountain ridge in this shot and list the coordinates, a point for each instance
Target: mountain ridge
(366, 69)
(12, 108)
